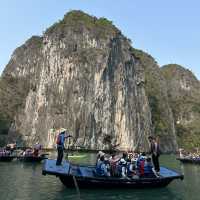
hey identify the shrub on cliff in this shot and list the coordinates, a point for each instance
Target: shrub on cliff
(77, 19)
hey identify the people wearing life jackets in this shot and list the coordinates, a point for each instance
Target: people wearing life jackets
(101, 168)
(60, 141)
(148, 168)
(131, 168)
(99, 154)
(122, 166)
(113, 165)
(140, 164)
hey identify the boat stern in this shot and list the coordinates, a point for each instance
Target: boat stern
(50, 168)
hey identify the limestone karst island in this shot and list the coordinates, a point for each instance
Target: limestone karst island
(83, 94)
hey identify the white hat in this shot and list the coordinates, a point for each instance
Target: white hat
(62, 129)
(101, 153)
(122, 161)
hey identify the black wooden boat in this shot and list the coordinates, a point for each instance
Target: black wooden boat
(86, 178)
(6, 158)
(189, 160)
(31, 158)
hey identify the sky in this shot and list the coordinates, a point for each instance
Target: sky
(168, 30)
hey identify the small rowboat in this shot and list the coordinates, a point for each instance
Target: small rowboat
(86, 177)
(189, 160)
(32, 158)
(6, 158)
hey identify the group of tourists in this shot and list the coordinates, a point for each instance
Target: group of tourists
(133, 165)
(4, 152)
(11, 147)
(189, 155)
(35, 151)
(128, 165)
(8, 149)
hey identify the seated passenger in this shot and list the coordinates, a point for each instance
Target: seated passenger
(113, 165)
(130, 157)
(181, 155)
(11, 147)
(28, 152)
(148, 168)
(100, 153)
(140, 164)
(131, 168)
(101, 168)
(7, 147)
(123, 164)
(36, 150)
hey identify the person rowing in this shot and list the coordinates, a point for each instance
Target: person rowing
(60, 141)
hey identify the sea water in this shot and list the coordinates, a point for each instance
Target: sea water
(24, 181)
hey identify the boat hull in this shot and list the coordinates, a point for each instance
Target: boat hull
(6, 158)
(32, 158)
(187, 160)
(85, 177)
(68, 181)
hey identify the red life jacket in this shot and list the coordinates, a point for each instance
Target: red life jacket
(142, 167)
(58, 139)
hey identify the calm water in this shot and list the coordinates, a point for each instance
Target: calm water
(22, 181)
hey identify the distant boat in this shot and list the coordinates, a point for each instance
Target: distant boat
(189, 160)
(31, 158)
(6, 158)
(86, 178)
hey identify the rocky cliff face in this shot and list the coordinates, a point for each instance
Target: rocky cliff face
(84, 75)
(157, 94)
(18, 79)
(184, 96)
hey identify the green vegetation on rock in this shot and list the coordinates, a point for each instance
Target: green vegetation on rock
(154, 90)
(102, 27)
(184, 98)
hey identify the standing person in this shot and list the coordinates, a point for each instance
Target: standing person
(155, 153)
(60, 141)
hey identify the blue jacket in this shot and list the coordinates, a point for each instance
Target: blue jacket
(101, 169)
(62, 139)
(148, 168)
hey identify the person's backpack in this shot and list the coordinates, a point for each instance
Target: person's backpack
(58, 139)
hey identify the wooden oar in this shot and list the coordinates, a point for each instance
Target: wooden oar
(77, 188)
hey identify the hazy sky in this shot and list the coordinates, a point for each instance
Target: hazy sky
(167, 29)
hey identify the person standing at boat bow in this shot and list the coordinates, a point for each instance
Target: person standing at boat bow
(155, 153)
(60, 141)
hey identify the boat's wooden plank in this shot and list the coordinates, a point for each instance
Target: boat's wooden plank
(165, 172)
(50, 167)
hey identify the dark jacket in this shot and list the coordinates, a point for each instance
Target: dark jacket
(155, 149)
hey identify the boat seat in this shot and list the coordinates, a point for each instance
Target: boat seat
(87, 172)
